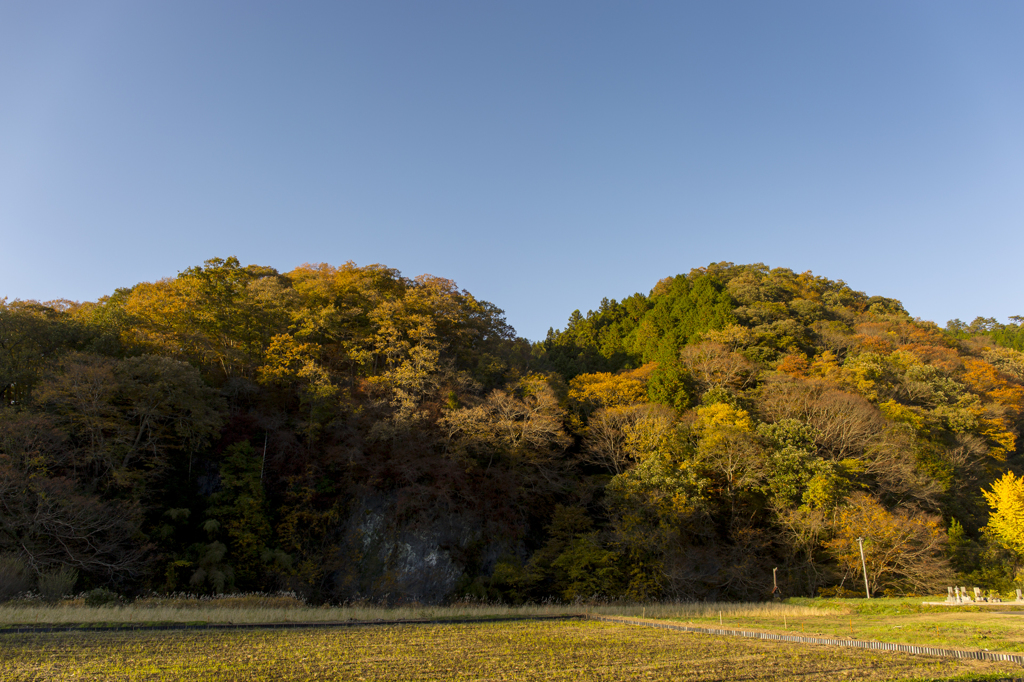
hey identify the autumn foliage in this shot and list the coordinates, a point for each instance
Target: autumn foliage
(351, 433)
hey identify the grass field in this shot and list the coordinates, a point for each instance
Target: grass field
(526, 650)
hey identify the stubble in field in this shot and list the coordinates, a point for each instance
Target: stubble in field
(560, 650)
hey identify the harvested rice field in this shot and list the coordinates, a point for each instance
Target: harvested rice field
(520, 650)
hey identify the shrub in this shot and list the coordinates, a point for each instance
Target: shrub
(101, 596)
(839, 592)
(15, 576)
(55, 584)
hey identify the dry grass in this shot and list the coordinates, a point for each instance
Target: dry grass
(711, 610)
(62, 615)
(288, 609)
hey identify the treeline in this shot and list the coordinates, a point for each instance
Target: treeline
(1006, 335)
(350, 433)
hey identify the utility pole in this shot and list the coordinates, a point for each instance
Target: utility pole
(867, 590)
(263, 466)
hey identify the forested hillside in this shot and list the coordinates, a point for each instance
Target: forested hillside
(349, 433)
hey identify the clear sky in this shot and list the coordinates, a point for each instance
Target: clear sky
(542, 154)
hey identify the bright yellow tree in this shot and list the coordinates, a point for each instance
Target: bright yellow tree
(1006, 521)
(607, 389)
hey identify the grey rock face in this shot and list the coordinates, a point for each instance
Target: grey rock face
(412, 560)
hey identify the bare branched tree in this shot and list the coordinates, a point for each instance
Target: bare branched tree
(846, 422)
(713, 365)
(47, 523)
(617, 437)
(524, 430)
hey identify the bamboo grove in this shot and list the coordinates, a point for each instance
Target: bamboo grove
(352, 434)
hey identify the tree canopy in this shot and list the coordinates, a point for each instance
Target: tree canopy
(351, 433)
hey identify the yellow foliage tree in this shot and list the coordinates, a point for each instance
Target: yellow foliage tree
(726, 443)
(715, 423)
(284, 359)
(901, 413)
(605, 389)
(1006, 521)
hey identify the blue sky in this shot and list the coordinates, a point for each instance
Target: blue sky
(542, 154)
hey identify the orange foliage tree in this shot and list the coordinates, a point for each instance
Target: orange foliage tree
(903, 548)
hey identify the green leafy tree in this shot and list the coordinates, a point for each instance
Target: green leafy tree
(126, 420)
(241, 512)
(590, 570)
